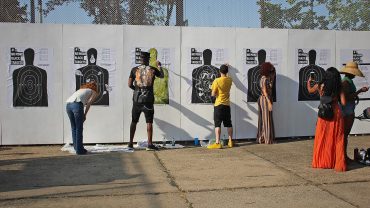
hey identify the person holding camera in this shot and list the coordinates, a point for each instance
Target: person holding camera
(350, 70)
(328, 150)
(141, 81)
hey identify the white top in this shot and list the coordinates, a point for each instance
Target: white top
(81, 95)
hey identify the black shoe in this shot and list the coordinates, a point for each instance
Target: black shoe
(130, 146)
(82, 152)
(152, 147)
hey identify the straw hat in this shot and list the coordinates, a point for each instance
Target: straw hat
(351, 68)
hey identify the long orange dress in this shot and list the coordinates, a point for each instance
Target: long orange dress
(328, 150)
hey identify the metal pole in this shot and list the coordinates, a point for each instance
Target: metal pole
(179, 12)
(40, 10)
(32, 2)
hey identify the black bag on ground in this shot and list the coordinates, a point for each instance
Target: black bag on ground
(326, 110)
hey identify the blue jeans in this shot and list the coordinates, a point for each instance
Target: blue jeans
(75, 113)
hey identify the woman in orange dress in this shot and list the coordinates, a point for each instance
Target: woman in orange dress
(328, 150)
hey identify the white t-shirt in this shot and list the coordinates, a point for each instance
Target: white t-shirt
(81, 95)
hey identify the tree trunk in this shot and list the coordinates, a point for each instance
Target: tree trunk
(169, 12)
(179, 12)
(32, 2)
(40, 10)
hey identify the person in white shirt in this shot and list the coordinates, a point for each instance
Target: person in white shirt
(83, 97)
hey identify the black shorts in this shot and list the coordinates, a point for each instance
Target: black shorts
(222, 114)
(147, 108)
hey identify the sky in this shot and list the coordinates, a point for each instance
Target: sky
(220, 13)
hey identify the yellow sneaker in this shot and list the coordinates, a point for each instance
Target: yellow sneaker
(214, 146)
(230, 143)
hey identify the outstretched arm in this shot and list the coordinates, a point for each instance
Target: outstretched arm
(159, 73)
(131, 83)
(352, 96)
(312, 89)
(89, 103)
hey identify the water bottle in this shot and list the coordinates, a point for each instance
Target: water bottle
(196, 141)
(164, 141)
(173, 142)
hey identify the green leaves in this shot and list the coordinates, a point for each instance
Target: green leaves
(11, 11)
(311, 14)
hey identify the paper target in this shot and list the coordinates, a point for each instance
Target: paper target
(203, 77)
(304, 74)
(90, 71)
(256, 57)
(29, 81)
(100, 76)
(362, 58)
(254, 88)
(29, 84)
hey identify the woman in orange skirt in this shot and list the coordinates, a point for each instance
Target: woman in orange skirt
(328, 150)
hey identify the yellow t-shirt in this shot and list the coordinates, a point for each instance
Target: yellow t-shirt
(222, 86)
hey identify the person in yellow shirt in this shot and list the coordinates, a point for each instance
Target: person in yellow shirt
(221, 90)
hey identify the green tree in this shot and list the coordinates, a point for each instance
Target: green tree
(299, 14)
(135, 12)
(11, 11)
(349, 14)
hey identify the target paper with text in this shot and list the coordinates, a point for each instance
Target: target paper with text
(362, 58)
(310, 62)
(202, 69)
(29, 71)
(162, 86)
(253, 58)
(94, 64)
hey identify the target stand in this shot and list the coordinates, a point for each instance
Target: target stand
(29, 87)
(203, 77)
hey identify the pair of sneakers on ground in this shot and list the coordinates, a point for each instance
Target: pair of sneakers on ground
(151, 147)
(219, 145)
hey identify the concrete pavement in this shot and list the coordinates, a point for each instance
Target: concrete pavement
(249, 175)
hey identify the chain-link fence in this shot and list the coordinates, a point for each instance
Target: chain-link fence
(300, 14)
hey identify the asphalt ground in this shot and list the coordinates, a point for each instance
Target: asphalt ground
(249, 175)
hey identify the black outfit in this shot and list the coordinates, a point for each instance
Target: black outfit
(222, 114)
(143, 95)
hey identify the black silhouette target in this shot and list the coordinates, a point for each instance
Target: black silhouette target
(29, 84)
(202, 81)
(254, 88)
(100, 76)
(202, 78)
(304, 75)
(318, 76)
(93, 72)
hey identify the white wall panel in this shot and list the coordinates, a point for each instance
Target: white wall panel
(104, 124)
(32, 125)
